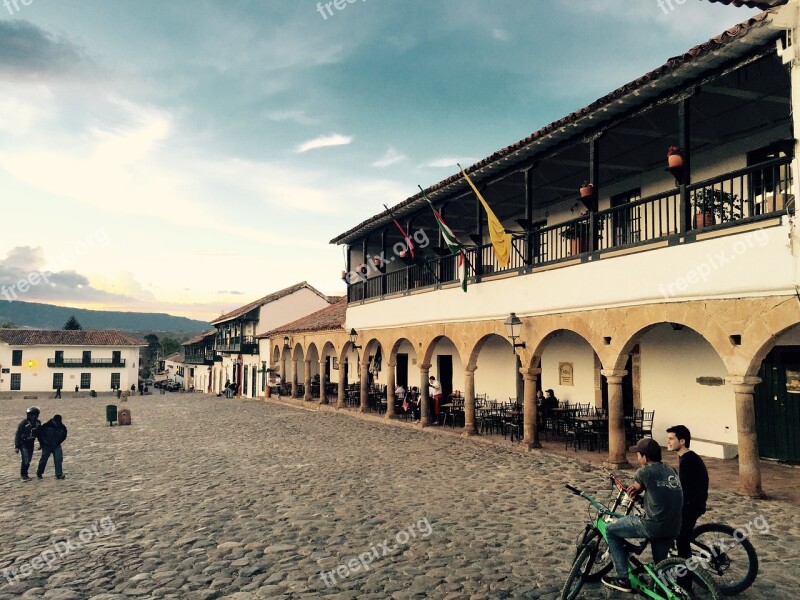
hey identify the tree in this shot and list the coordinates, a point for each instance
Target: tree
(72, 324)
(170, 346)
(8, 325)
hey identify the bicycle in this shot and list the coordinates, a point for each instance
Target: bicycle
(659, 582)
(731, 561)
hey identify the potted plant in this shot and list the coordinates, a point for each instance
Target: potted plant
(675, 157)
(713, 206)
(587, 189)
(577, 233)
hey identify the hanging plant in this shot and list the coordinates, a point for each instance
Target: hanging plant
(587, 189)
(675, 157)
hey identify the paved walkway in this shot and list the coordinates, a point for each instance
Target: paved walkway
(212, 498)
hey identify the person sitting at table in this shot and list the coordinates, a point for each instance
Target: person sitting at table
(550, 400)
(413, 401)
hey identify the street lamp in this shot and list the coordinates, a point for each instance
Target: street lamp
(513, 330)
(286, 342)
(354, 338)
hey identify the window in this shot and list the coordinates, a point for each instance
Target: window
(58, 381)
(87, 357)
(116, 357)
(16, 381)
(86, 381)
(16, 358)
(244, 383)
(115, 381)
(59, 357)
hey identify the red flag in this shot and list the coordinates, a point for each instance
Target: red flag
(409, 243)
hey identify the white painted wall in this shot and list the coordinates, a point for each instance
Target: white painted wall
(496, 372)
(39, 377)
(288, 309)
(641, 278)
(671, 361)
(566, 346)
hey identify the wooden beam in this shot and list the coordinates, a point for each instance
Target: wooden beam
(580, 163)
(745, 94)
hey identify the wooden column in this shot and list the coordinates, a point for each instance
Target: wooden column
(307, 380)
(749, 460)
(424, 402)
(529, 235)
(530, 416)
(470, 427)
(617, 447)
(390, 385)
(594, 177)
(684, 141)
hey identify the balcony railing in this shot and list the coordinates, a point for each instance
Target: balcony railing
(244, 343)
(733, 198)
(76, 363)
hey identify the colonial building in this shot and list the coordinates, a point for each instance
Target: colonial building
(175, 369)
(237, 330)
(33, 360)
(653, 261)
(199, 358)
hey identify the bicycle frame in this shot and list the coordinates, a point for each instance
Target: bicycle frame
(656, 588)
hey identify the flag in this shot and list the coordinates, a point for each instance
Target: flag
(453, 243)
(409, 243)
(500, 239)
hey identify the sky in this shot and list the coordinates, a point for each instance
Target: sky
(191, 156)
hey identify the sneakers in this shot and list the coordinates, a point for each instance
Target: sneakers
(38, 476)
(25, 478)
(621, 584)
(61, 476)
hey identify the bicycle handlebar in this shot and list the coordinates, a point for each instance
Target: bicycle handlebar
(573, 489)
(592, 501)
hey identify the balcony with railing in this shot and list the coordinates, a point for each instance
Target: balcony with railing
(246, 344)
(76, 363)
(676, 216)
(200, 357)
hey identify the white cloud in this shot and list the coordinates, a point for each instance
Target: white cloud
(501, 34)
(324, 142)
(448, 162)
(392, 157)
(298, 116)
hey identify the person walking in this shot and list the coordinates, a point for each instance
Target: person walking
(694, 481)
(24, 439)
(58, 393)
(51, 435)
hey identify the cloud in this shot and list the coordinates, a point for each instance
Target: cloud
(392, 157)
(448, 162)
(31, 52)
(501, 34)
(324, 142)
(298, 116)
(231, 292)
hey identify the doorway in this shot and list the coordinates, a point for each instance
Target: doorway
(444, 363)
(777, 404)
(401, 374)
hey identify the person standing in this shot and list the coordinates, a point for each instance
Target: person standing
(24, 439)
(58, 393)
(51, 435)
(694, 481)
(435, 393)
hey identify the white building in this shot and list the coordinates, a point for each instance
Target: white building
(236, 339)
(33, 360)
(175, 369)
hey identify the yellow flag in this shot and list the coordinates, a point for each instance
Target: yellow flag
(500, 239)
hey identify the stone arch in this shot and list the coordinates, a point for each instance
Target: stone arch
(478, 346)
(430, 346)
(276, 354)
(758, 339)
(500, 377)
(395, 348)
(538, 345)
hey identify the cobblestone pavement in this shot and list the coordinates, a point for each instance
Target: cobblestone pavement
(212, 498)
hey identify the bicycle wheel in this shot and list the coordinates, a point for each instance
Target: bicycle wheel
(602, 563)
(732, 562)
(577, 574)
(704, 587)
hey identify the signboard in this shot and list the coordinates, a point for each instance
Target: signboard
(565, 373)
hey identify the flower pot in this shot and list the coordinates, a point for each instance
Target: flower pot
(577, 245)
(704, 219)
(587, 191)
(674, 161)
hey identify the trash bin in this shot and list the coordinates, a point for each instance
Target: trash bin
(125, 417)
(111, 413)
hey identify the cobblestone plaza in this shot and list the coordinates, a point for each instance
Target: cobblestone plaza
(205, 497)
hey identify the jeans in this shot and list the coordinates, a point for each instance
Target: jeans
(632, 527)
(688, 521)
(58, 458)
(26, 453)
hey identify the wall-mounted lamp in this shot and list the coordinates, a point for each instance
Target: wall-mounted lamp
(354, 338)
(31, 364)
(286, 342)
(513, 330)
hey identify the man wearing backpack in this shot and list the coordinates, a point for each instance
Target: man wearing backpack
(51, 435)
(24, 439)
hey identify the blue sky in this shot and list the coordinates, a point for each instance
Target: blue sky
(191, 156)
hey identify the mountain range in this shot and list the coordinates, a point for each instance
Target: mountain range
(48, 316)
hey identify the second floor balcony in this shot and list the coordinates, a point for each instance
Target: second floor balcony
(76, 363)
(246, 344)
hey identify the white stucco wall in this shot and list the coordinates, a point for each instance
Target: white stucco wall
(685, 272)
(288, 309)
(496, 372)
(566, 346)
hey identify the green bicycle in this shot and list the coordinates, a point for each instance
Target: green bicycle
(659, 582)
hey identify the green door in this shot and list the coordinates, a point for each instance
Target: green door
(777, 404)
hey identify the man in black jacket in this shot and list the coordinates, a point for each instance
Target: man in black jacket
(694, 481)
(51, 435)
(24, 439)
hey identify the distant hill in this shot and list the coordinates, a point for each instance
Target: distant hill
(47, 316)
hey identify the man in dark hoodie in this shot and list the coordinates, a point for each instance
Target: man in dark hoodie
(27, 431)
(51, 435)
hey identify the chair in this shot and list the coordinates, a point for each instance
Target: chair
(454, 413)
(646, 427)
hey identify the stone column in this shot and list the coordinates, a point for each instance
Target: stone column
(469, 402)
(617, 448)
(307, 380)
(530, 416)
(364, 387)
(390, 385)
(323, 398)
(340, 390)
(424, 401)
(749, 460)
(294, 378)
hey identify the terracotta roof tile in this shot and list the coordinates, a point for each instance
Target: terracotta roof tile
(331, 317)
(174, 357)
(200, 338)
(63, 337)
(762, 4)
(267, 299)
